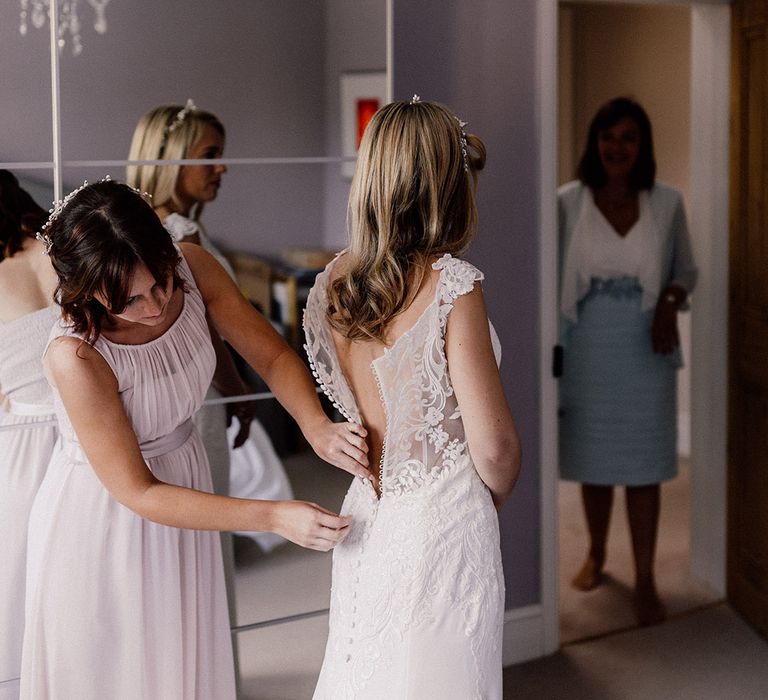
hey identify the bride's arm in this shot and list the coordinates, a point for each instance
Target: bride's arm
(341, 444)
(490, 429)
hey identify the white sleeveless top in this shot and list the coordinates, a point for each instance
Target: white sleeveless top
(597, 251)
(22, 342)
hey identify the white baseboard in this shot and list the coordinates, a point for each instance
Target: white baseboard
(523, 638)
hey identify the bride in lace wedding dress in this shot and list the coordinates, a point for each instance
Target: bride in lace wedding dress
(398, 337)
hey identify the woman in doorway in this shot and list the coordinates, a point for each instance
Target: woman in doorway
(125, 588)
(27, 313)
(626, 270)
(399, 336)
(179, 195)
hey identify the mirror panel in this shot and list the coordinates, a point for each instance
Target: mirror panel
(289, 580)
(282, 661)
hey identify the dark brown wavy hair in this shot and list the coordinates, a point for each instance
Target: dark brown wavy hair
(412, 198)
(590, 170)
(20, 216)
(104, 231)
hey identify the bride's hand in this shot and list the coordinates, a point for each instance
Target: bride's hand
(309, 525)
(341, 444)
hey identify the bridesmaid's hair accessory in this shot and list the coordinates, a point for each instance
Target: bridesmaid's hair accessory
(58, 207)
(416, 99)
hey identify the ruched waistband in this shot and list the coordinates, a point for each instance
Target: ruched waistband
(168, 443)
(152, 448)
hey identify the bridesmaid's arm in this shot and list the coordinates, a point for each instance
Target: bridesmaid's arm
(341, 444)
(490, 429)
(88, 390)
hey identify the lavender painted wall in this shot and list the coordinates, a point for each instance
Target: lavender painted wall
(479, 58)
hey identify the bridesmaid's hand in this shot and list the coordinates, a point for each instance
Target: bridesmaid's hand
(341, 444)
(245, 412)
(309, 525)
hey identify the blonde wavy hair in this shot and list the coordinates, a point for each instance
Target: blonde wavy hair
(152, 142)
(412, 198)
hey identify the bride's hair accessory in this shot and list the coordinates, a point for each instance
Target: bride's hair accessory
(415, 99)
(464, 153)
(175, 123)
(178, 120)
(58, 207)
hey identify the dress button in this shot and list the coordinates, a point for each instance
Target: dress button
(350, 640)
(349, 658)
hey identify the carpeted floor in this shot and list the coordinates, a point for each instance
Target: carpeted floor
(608, 608)
(708, 654)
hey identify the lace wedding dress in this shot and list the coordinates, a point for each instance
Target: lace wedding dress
(418, 594)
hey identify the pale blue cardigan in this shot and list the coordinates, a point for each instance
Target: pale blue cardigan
(677, 264)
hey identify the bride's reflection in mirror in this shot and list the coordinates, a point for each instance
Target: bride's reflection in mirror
(179, 193)
(247, 464)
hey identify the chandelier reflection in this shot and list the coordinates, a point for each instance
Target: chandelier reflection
(36, 12)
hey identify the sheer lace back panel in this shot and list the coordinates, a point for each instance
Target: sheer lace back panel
(424, 435)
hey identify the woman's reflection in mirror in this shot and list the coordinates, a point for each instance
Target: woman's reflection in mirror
(27, 313)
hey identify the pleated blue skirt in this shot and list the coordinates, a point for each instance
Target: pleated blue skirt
(618, 400)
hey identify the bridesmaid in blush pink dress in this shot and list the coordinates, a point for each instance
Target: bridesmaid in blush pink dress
(125, 588)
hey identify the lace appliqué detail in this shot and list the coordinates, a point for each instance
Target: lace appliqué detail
(321, 352)
(417, 393)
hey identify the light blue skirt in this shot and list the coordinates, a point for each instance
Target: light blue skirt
(618, 399)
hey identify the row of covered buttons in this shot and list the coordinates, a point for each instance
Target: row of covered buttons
(356, 564)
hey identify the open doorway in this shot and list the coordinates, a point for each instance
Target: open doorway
(644, 52)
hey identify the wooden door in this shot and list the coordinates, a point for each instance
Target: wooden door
(748, 312)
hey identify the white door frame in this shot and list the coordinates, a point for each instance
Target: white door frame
(708, 215)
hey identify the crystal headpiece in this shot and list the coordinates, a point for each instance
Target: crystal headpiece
(58, 207)
(178, 120)
(464, 153)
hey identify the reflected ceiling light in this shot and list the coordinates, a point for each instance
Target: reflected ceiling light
(36, 11)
